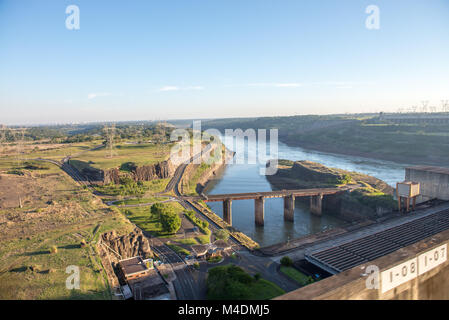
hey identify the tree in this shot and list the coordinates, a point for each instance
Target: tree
(170, 220)
(222, 234)
(286, 261)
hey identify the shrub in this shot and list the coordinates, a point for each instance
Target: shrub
(222, 234)
(128, 166)
(257, 276)
(286, 261)
(53, 249)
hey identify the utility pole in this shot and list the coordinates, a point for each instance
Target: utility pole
(445, 105)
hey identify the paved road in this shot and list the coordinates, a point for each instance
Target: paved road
(189, 283)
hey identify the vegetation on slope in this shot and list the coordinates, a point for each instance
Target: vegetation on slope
(233, 283)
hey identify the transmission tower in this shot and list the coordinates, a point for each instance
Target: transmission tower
(110, 134)
(445, 105)
(19, 136)
(2, 136)
(424, 106)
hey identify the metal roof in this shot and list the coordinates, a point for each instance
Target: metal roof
(348, 255)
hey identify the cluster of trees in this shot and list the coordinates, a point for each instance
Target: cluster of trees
(229, 282)
(169, 219)
(80, 133)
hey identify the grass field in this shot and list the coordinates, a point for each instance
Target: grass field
(188, 241)
(234, 283)
(56, 213)
(139, 201)
(144, 219)
(204, 239)
(296, 275)
(48, 151)
(140, 154)
(178, 249)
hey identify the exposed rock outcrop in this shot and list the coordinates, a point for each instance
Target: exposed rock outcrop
(111, 176)
(161, 170)
(128, 246)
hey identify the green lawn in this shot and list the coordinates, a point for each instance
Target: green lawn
(140, 154)
(234, 283)
(204, 239)
(178, 249)
(296, 275)
(263, 290)
(188, 241)
(139, 201)
(144, 219)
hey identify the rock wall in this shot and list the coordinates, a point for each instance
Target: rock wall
(208, 174)
(128, 246)
(161, 170)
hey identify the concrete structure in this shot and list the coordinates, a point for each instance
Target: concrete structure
(405, 191)
(289, 208)
(405, 274)
(316, 204)
(227, 211)
(259, 197)
(259, 211)
(434, 182)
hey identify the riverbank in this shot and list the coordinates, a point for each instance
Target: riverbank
(410, 139)
(372, 200)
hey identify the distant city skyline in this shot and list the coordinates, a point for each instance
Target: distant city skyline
(168, 60)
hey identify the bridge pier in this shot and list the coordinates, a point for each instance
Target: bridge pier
(259, 210)
(316, 204)
(289, 208)
(227, 211)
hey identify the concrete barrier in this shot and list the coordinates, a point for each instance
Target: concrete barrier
(415, 272)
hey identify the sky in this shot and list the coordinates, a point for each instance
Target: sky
(184, 59)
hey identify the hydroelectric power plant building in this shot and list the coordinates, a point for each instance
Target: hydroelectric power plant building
(434, 182)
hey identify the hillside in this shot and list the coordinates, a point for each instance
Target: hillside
(407, 139)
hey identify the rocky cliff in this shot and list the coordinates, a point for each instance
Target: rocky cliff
(161, 170)
(127, 246)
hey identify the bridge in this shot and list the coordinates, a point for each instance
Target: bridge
(316, 198)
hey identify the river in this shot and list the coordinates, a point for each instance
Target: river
(247, 178)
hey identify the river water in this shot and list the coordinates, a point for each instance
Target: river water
(247, 178)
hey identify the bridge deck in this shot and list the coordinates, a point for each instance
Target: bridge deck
(273, 194)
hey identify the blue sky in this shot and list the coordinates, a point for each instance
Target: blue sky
(146, 60)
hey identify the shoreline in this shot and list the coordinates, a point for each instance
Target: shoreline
(370, 155)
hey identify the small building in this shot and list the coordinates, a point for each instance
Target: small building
(222, 247)
(200, 250)
(136, 267)
(150, 287)
(407, 190)
(434, 182)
